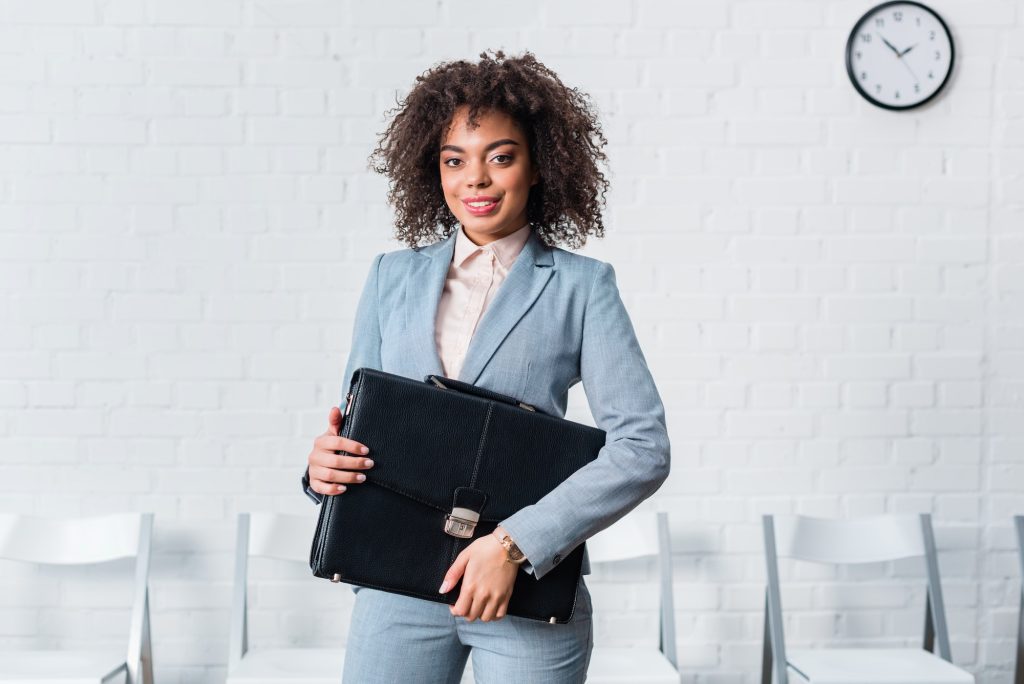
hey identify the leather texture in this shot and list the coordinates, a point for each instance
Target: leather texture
(435, 449)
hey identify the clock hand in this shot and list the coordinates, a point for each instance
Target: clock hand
(891, 46)
(908, 49)
(910, 70)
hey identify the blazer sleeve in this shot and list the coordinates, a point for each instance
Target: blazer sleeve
(635, 459)
(365, 347)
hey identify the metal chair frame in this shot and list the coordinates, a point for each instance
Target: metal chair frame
(1018, 676)
(935, 628)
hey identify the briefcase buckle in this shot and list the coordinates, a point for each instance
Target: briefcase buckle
(461, 522)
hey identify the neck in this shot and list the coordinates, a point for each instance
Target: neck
(481, 239)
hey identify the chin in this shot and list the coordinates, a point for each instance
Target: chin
(483, 223)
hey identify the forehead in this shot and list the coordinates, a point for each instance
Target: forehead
(490, 124)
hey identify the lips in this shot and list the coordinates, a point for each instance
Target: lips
(483, 209)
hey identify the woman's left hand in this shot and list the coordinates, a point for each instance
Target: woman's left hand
(487, 580)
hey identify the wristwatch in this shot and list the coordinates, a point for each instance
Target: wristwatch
(512, 552)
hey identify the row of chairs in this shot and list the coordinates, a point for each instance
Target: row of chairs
(638, 535)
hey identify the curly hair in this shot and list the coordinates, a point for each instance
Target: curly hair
(561, 127)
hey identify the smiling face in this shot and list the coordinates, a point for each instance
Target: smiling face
(486, 174)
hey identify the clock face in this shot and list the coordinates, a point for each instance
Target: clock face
(899, 55)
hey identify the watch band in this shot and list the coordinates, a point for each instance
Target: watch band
(513, 554)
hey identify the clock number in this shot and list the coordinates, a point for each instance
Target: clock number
(937, 53)
(897, 94)
(878, 87)
(879, 22)
(931, 35)
(918, 20)
(857, 54)
(917, 87)
(931, 75)
(865, 37)
(863, 75)
(897, 15)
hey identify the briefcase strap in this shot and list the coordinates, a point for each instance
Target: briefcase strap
(467, 505)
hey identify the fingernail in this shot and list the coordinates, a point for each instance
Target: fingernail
(444, 587)
(368, 463)
(360, 477)
(341, 488)
(364, 450)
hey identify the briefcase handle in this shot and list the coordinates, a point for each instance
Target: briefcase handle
(484, 393)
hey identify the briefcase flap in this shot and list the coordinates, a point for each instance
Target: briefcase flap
(426, 442)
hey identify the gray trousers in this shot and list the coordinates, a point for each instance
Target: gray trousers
(398, 639)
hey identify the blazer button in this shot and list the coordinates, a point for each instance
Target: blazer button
(557, 559)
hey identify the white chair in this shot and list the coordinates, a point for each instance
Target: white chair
(1018, 677)
(83, 541)
(866, 540)
(638, 535)
(284, 537)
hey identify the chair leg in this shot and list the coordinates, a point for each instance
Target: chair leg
(929, 626)
(1018, 677)
(147, 654)
(766, 652)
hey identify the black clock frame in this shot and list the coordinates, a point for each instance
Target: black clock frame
(849, 55)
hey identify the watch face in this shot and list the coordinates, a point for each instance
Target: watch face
(899, 55)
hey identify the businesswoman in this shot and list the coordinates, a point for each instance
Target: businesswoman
(492, 165)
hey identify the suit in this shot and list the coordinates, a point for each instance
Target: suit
(557, 320)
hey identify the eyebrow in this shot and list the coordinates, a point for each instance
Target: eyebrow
(490, 146)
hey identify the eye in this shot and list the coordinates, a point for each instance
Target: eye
(453, 159)
(507, 156)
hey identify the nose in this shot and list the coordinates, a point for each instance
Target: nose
(478, 176)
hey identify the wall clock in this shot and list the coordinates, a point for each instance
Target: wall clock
(899, 55)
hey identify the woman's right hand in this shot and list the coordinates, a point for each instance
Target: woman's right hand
(329, 471)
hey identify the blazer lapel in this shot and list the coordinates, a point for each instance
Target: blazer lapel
(520, 289)
(423, 290)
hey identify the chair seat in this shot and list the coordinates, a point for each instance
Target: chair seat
(639, 665)
(873, 666)
(62, 667)
(306, 665)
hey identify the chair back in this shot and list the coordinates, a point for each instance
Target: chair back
(643, 534)
(70, 541)
(81, 541)
(268, 535)
(281, 536)
(866, 540)
(633, 536)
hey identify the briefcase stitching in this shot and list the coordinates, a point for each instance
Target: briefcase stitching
(480, 446)
(455, 551)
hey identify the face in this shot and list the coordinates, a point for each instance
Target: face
(489, 166)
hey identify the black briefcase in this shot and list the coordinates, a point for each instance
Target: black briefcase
(451, 461)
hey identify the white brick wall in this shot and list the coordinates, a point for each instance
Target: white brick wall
(831, 296)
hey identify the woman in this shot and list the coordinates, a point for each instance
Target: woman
(493, 164)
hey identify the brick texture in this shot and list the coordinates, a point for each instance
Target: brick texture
(830, 295)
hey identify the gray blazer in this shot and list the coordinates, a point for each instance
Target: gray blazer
(556, 320)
